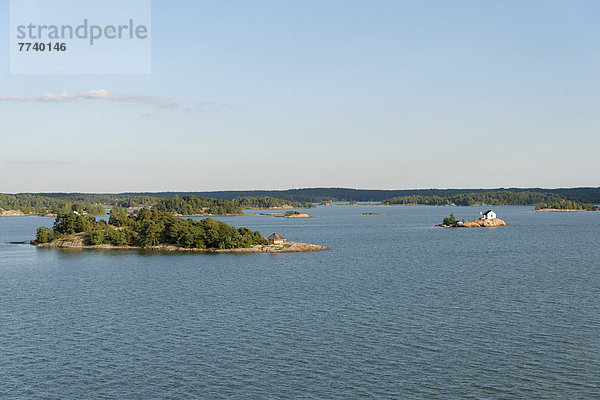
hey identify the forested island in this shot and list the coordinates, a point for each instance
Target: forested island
(153, 229)
(14, 205)
(196, 206)
(201, 206)
(40, 205)
(500, 198)
(566, 205)
(269, 203)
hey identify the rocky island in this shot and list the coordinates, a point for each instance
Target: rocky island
(156, 230)
(296, 214)
(374, 213)
(487, 220)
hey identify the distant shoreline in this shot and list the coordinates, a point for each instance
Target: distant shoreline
(560, 210)
(17, 213)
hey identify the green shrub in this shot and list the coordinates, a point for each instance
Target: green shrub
(44, 235)
(451, 220)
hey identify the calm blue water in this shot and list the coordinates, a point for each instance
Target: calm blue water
(397, 309)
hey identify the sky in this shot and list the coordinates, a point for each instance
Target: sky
(370, 94)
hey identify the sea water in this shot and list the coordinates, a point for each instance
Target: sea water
(396, 309)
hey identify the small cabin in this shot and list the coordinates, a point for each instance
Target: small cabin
(276, 239)
(489, 214)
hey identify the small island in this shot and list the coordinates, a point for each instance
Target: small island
(157, 230)
(487, 220)
(374, 213)
(565, 206)
(295, 214)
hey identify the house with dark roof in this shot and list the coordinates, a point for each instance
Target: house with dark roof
(276, 239)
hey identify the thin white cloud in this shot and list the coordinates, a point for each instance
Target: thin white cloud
(103, 95)
(45, 98)
(132, 99)
(95, 94)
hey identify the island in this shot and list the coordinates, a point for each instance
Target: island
(157, 230)
(295, 214)
(96, 204)
(565, 205)
(266, 202)
(487, 220)
(374, 213)
(194, 206)
(33, 205)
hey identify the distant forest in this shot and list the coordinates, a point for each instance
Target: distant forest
(232, 202)
(567, 205)
(316, 195)
(473, 199)
(95, 204)
(34, 204)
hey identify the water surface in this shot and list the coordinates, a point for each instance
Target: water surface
(397, 309)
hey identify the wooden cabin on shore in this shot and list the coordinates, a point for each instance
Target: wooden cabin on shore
(276, 239)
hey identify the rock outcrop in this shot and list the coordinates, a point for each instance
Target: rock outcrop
(12, 213)
(476, 223)
(298, 216)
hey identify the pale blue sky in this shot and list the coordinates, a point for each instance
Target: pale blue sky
(281, 94)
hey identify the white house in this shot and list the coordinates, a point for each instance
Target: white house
(489, 214)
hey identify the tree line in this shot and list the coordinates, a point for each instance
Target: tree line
(248, 202)
(31, 204)
(187, 205)
(567, 205)
(316, 195)
(500, 198)
(194, 205)
(232, 202)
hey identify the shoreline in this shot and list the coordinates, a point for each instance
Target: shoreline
(291, 247)
(205, 215)
(441, 205)
(13, 213)
(560, 210)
